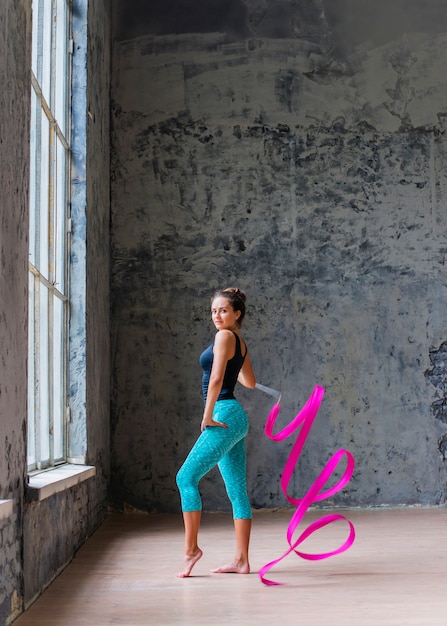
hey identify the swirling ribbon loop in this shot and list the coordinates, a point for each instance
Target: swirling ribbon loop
(315, 493)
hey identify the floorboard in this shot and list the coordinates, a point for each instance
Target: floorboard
(395, 573)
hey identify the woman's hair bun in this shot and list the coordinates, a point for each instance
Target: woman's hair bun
(236, 291)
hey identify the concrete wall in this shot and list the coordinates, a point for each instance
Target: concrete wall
(98, 238)
(298, 151)
(39, 538)
(14, 177)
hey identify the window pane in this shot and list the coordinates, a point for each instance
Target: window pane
(60, 216)
(34, 173)
(58, 377)
(43, 232)
(31, 378)
(60, 110)
(43, 378)
(49, 189)
(46, 27)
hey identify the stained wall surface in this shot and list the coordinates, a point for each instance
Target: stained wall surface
(298, 151)
(14, 176)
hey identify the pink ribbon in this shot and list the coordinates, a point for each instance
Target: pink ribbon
(315, 493)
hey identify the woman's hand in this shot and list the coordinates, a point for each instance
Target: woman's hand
(210, 422)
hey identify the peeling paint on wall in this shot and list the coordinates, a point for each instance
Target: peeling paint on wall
(437, 375)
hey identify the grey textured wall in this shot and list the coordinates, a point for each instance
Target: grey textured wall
(298, 151)
(98, 242)
(14, 177)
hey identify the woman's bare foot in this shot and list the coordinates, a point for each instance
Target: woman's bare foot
(189, 561)
(236, 567)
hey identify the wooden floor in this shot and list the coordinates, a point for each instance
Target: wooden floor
(396, 573)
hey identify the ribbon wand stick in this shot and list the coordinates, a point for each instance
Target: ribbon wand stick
(268, 390)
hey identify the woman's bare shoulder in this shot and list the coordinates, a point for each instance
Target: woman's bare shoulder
(224, 336)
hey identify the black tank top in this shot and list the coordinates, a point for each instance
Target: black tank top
(231, 372)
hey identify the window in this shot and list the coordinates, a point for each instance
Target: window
(49, 234)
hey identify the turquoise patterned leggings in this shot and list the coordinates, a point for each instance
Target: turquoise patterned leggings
(224, 447)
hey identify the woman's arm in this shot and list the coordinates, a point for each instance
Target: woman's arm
(224, 346)
(246, 375)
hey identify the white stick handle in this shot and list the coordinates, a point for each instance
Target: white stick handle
(269, 391)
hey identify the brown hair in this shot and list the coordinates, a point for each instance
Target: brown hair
(236, 297)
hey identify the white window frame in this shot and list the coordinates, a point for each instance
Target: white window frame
(49, 234)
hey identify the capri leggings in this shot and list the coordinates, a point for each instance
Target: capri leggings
(224, 447)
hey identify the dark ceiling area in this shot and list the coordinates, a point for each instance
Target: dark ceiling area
(344, 26)
(162, 17)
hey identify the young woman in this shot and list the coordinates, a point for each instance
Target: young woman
(224, 428)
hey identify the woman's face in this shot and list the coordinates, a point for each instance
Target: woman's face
(223, 315)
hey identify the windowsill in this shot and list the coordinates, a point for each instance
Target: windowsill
(5, 509)
(46, 484)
